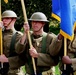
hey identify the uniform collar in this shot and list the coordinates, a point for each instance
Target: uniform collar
(9, 31)
(38, 36)
(6, 31)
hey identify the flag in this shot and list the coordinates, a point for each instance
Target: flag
(6, 1)
(68, 18)
(56, 9)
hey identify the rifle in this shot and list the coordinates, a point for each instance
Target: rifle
(68, 71)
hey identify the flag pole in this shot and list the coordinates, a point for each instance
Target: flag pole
(1, 48)
(65, 46)
(65, 50)
(30, 43)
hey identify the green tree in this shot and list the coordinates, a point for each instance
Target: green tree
(31, 7)
(54, 26)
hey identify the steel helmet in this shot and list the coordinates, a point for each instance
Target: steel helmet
(38, 16)
(9, 13)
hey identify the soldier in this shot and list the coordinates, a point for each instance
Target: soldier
(70, 58)
(44, 49)
(9, 38)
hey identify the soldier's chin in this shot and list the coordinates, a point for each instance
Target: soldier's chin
(5, 26)
(35, 30)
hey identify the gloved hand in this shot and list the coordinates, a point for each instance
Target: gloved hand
(66, 60)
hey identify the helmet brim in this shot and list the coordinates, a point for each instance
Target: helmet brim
(38, 20)
(11, 17)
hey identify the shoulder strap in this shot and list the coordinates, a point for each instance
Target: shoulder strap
(43, 50)
(44, 43)
(12, 44)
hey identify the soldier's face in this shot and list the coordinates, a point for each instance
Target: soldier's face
(6, 21)
(9, 22)
(37, 25)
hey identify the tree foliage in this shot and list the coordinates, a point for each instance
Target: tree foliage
(31, 6)
(54, 29)
(54, 26)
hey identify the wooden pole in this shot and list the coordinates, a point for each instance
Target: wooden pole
(65, 50)
(30, 43)
(65, 46)
(1, 47)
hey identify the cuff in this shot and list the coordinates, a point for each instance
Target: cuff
(74, 64)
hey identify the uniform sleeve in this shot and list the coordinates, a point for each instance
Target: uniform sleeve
(50, 59)
(74, 63)
(46, 60)
(55, 45)
(19, 48)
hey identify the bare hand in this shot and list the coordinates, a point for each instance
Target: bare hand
(1, 24)
(33, 52)
(66, 60)
(60, 37)
(3, 58)
(26, 27)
